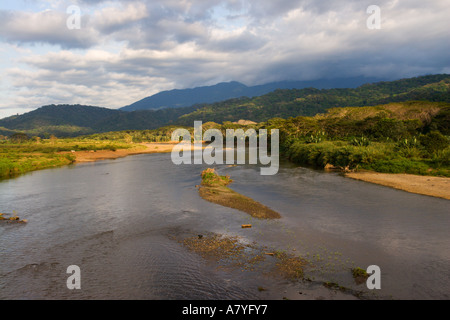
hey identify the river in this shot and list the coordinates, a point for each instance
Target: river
(117, 220)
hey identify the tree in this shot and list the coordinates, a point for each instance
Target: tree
(19, 137)
(434, 141)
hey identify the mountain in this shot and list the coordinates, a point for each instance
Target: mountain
(73, 120)
(5, 132)
(229, 90)
(311, 101)
(58, 115)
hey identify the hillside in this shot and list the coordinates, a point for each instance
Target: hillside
(229, 90)
(395, 120)
(5, 132)
(68, 120)
(311, 101)
(75, 120)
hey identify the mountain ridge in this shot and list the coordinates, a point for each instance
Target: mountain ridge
(229, 90)
(73, 120)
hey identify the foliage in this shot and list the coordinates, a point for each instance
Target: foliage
(434, 141)
(359, 272)
(77, 120)
(19, 137)
(21, 157)
(379, 156)
(360, 141)
(211, 178)
(310, 101)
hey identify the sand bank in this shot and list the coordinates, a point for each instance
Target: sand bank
(214, 189)
(141, 148)
(426, 185)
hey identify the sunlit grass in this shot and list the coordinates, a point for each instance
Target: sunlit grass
(18, 158)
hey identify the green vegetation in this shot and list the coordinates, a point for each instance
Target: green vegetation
(393, 138)
(211, 179)
(398, 136)
(137, 136)
(358, 272)
(360, 275)
(29, 154)
(378, 156)
(310, 101)
(334, 286)
(290, 266)
(408, 137)
(76, 120)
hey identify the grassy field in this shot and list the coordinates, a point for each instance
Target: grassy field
(21, 157)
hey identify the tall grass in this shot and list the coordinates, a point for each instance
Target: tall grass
(376, 156)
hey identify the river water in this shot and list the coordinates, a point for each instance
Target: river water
(117, 220)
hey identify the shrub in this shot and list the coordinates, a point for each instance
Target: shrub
(434, 141)
(360, 142)
(407, 143)
(316, 137)
(70, 157)
(19, 137)
(389, 128)
(441, 158)
(408, 148)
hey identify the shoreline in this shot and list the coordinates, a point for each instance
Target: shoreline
(141, 148)
(438, 187)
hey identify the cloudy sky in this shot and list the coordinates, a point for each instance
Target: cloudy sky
(125, 50)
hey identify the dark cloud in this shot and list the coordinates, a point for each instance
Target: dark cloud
(142, 47)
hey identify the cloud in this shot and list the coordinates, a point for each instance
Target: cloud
(127, 50)
(111, 19)
(43, 27)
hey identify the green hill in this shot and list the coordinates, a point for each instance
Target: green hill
(74, 120)
(310, 101)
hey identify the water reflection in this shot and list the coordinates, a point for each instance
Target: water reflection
(115, 220)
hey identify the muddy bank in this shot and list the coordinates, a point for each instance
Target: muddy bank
(214, 189)
(425, 185)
